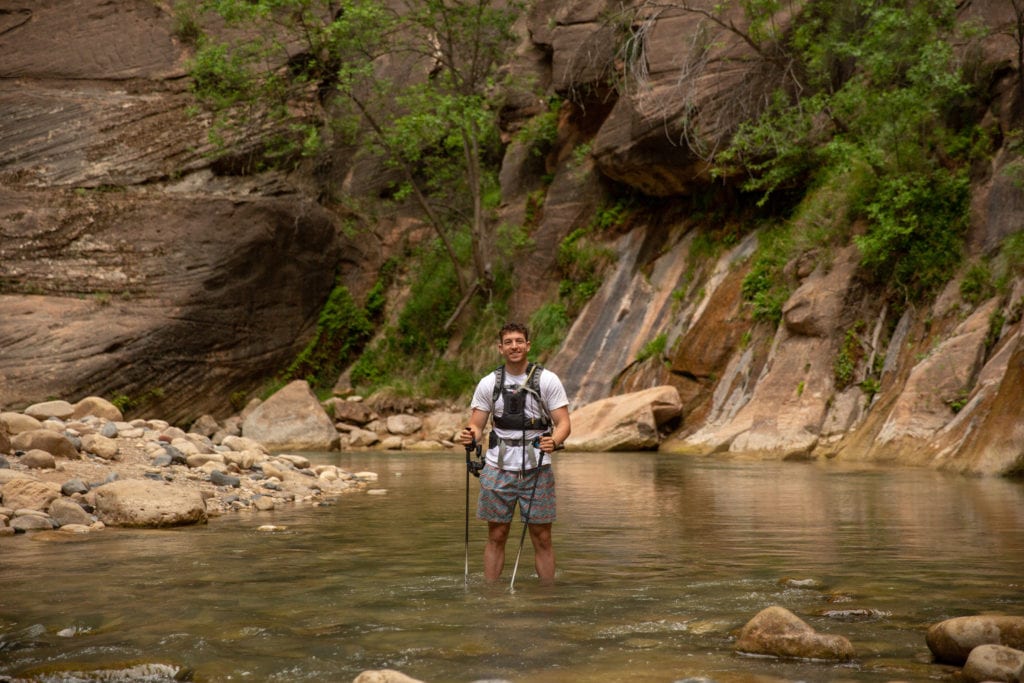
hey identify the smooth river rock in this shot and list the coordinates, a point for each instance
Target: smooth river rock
(952, 640)
(147, 503)
(777, 631)
(994, 663)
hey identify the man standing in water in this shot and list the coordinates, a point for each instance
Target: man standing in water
(530, 421)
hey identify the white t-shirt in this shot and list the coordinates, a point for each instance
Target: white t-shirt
(552, 393)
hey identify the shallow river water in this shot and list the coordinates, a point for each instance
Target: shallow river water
(662, 559)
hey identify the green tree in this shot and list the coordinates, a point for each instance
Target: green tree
(872, 92)
(410, 82)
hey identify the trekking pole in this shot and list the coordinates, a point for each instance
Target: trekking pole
(525, 514)
(468, 449)
(473, 468)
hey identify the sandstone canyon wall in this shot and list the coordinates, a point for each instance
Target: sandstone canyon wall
(132, 264)
(129, 265)
(948, 394)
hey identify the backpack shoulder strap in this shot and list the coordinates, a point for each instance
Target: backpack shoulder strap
(499, 383)
(532, 387)
(533, 377)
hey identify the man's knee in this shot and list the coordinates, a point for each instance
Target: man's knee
(497, 532)
(540, 534)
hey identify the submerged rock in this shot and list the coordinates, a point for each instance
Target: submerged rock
(994, 663)
(778, 632)
(384, 676)
(952, 640)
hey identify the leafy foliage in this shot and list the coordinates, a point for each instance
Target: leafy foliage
(540, 133)
(582, 260)
(409, 83)
(764, 286)
(914, 241)
(342, 329)
(844, 366)
(549, 325)
(878, 89)
(654, 348)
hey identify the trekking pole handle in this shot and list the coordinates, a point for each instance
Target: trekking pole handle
(471, 466)
(536, 442)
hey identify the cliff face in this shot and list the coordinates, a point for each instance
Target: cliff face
(130, 265)
(127, 266)
(949, 392)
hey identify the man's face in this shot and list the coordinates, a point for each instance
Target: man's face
(513, 347)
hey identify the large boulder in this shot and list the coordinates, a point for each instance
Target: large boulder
(349, 412)
(403, 424)
(147, 504)
(29, 494)
(952, 640)
(292, 419)
(45, 440)
(97, 407)
(7, 474)
(630, 422)
(39, 460)
(444, 426)
(100, 446)
(776, 631)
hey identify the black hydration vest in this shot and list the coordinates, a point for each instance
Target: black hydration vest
(514, 402)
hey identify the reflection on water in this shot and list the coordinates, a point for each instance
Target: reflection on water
(661, 560)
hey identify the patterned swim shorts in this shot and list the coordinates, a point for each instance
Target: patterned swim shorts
(500, 490)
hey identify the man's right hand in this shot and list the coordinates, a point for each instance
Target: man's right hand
(467, 437)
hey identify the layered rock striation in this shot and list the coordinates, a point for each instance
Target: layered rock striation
(133, 266)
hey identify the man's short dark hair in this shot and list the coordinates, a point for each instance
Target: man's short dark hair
(510, 327)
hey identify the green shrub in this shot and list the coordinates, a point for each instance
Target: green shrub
(342, 329)
(408, 358)
(1013, 251)
(977, 284)
(914, 240)
(878, 97)
(654, 348)
(845, 364)
(582, 261)
(764, 286)
(996, 322)
(540, 132)
(870, 386)
(548, 327)
(186, 22)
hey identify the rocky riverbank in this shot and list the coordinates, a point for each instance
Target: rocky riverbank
(80, 467)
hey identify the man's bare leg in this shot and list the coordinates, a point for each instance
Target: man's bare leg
(543, 552)
(494, 551)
